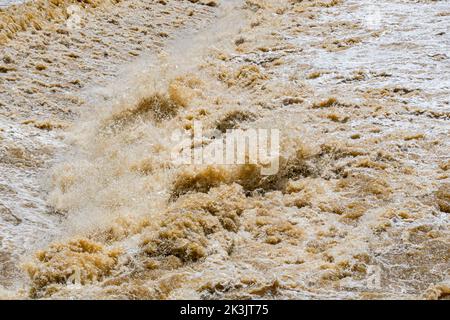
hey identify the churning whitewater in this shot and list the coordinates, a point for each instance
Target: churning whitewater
(351, 199)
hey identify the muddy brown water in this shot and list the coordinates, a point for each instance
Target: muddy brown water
(92, 205)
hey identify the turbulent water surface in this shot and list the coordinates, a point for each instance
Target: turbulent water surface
(5, 3)
(93, 205)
